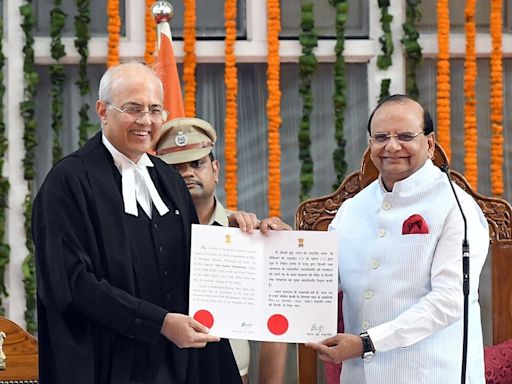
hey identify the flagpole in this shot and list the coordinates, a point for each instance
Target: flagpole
(162, 12)
(166, 67)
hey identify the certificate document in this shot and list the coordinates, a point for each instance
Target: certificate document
(282, 286)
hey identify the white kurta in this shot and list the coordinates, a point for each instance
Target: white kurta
(406, 290)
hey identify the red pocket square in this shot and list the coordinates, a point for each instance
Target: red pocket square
(415, 224)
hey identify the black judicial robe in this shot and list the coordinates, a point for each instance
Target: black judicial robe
(93, 327)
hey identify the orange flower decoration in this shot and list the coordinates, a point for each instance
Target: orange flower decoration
(274, 107)
(189, 61)
(470, 73)
(149, 53)
(113, 29)
(231, 124)
(443, 76)
(496, 98)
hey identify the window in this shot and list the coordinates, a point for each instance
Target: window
(356, 27)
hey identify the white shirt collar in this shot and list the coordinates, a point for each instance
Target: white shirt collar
(137, 185)
(425, 174)
(120, 158)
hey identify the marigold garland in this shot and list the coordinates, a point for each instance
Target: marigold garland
(496, 98)
(150, 23)
(273, 107)
(113, 29)
(443, 76)
(470, 73)
(231, 123)
(189, 61)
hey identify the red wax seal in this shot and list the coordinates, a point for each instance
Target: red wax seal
(277, 324)
(204, 317)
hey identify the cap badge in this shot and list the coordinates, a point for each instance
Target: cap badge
(181, 139)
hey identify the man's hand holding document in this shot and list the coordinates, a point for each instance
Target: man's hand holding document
(281, 286)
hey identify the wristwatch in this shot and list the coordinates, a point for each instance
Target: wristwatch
(368, 348)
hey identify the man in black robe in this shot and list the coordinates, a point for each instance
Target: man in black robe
(111, 226)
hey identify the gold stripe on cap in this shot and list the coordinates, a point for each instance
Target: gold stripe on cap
(165, 151)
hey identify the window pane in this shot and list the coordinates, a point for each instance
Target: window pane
(429, 16)
(98, 14)
(252, 129)
(357, 24)
(70, 107)
(210, 19)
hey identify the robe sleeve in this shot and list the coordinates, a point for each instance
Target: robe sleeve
(71, 279)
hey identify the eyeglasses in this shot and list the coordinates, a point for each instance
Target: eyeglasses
(403, 137)
(156, 115)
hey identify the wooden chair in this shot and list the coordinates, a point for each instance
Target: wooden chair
(316, 214)
(20, 349)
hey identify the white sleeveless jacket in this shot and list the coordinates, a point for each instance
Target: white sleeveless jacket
(406, 289)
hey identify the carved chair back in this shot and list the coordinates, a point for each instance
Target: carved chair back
(20, 349)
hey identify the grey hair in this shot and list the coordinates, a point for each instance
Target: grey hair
(106, 80)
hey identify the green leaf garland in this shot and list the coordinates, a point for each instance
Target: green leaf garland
(82, 37)
(4, 182)
(307, 66)
(57, 77)
(340, 101)
(27, 109)
(28, 269)
(412, 47)
(384, 61)
(384, 89)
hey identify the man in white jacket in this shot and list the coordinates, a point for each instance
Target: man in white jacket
(401, 263)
